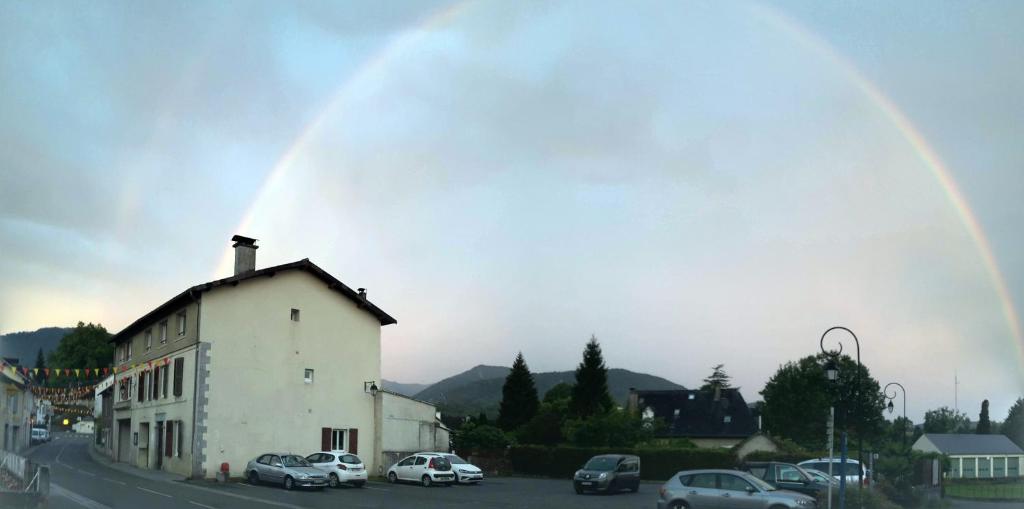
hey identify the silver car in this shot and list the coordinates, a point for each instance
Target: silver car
(700, 489)
(289, 470)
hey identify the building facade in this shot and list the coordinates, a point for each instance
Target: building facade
(265, 360)
(406, 426)
(718, 418)
(973, 456)
(16, 403)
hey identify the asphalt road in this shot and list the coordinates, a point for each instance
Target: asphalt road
(78, 481)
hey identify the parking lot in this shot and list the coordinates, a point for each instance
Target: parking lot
(504, 492)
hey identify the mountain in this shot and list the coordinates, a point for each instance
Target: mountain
(401, 388)
(479, 389)
(25, 345)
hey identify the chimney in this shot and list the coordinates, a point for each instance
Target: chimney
(245, 254)
(362, 293)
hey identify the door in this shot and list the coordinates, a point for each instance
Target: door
(789, 478)
(702, 492)
(402, 469)
(124, 439)
(159, 444)
(737, 493)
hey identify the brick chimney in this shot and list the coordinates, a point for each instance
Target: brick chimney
(245, 254)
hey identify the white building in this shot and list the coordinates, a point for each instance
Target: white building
(276, 359)
(15, 409)
(975, 456)
(407, 426)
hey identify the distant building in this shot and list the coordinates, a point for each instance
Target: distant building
(16, 403)
(975, 456)
(408, 425)
(708, 418)
(276, 359)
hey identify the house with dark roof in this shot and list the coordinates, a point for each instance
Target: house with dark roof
(975, 456)
(281, 358)
(708, 418)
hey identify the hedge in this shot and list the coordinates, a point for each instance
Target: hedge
(655, 464)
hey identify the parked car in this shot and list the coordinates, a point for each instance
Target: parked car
(288, 469)
(340, 466)
(822, 477)
(465, 472)
(608, 473)
(697, 489)
(851, 470)
(785, 476)
(426, 469)
(39, 435)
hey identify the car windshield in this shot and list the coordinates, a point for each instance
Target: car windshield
(294, 461)
(601, 463)
(837, 470)
(455, 460)
(348, 458)
(759, 483)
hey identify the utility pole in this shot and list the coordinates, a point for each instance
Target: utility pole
(956, 393)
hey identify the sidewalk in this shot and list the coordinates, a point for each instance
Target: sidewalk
(145, 473)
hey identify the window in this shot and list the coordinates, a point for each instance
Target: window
(984, 467)
(675, 413)
(163, 378)
(163, 332)
(727, 419)
(264, 460)
(155, 388)
(1013, 467)
(129, 344)
(732, 483)
(969, 467)
(338, 440)
(295, 315)
(181, 323)
(149, 339)
(787, 474)
(179, 374)
(999, 467)
(420, 460)
(142, 387)
(702, 481)
(309, 376)
(407, 461)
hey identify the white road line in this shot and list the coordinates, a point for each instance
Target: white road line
(155, 492)
(244, 497)
(201, 505)
(88, 503)
(247, 485)
(367, 487)
(115, 481)
(80, 471)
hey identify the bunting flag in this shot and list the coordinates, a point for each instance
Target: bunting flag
(46, 371)
(76, 372)
(35, 371)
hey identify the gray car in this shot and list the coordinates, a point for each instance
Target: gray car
(702, 489)
(289, 470)
(608, 473)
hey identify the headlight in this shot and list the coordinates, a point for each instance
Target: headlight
(577, 474)
(804, 501)
(604, 475)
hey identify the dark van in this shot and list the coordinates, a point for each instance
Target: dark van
(608, 473)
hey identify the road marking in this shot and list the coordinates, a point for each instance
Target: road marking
(201, 505)
(88, 503)
(375, 489)
(154, 492)
(80, 471)
(115, 481)
(244, 497)
(247, 485)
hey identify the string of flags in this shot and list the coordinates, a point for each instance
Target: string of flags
(71, 410)
(79, 372)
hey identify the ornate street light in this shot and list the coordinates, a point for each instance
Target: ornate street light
(885, 392)
(832, 371)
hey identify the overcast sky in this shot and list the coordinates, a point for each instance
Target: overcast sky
(692, 183)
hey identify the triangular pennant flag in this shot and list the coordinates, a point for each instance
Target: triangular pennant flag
(56, 371)
(106, 370)
(86, 371)
(149, 364)
(76, 371)
(115, 370)
(24, 370)
(35, 371)
(67, 372)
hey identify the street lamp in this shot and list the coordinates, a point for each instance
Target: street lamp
(885, 392)
(832, 371)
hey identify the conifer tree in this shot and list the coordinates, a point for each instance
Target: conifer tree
(590, 395)
(984, 424)
(718, 379)
(519, 400)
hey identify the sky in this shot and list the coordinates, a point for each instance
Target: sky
(692, 183)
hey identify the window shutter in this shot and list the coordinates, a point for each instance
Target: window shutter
(325, 439)
(142, 387)
(179, 373)
(353, 441)
(169, 439)
(156, 384)
(181, 438)
(164, 377)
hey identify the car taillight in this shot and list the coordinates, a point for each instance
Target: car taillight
(661, 491)
(342, 466)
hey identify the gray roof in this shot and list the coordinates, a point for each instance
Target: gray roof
(973, 444)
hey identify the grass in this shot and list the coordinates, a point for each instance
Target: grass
(1013, 490)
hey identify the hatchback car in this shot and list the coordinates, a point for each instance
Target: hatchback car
(289, 470)
(465, 472)
(698, 489)
(608, 473)
(426, 469)
(341, 467)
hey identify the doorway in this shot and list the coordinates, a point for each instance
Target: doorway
(124, 439)
(159, 444)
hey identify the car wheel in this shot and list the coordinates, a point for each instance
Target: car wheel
(392, 477)
(679, 505)
(332, 480)
(457, 481)
(426, 481)
(289, 483)
(636, 487)
(254, 478)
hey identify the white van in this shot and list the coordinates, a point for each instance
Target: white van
(853, 467)
(40, 435)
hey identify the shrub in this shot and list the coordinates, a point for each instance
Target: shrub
(474, 437)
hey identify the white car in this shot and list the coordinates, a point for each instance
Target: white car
(851, 470)
(426, 469)
(465, 472)
(340, 466)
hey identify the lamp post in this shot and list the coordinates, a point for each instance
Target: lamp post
(890, 406)
(832, 371)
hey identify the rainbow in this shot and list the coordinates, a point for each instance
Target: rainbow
(775, 18)
(931, 159)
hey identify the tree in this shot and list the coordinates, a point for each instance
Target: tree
(477, 437)
(718, 379)
(615, 428)
(798, 396)
(86, 346)
(1013, 426)
(590, 394)
(518, 397)
(984, 424)
(562, 391)
(946, 420)
(546, 427)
